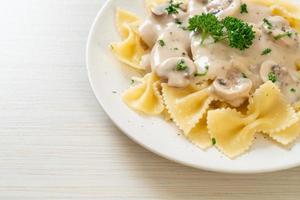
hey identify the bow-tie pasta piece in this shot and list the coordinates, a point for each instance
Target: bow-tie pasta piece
(145, 97)
(268, 112)
(187, 106)
(271, 110)
(199, 134)
(124, 18)
(228, 127)
(287, 135)
(131, 49)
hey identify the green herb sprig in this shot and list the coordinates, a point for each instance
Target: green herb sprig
(266, 51)
(244, 8)
(236, 32)
(181, 66)
(207, 24)
(272, 77)
(287, 34)
(173, 7)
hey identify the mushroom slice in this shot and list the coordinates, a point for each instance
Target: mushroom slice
(269, 70)
(223, 8)
(177, 71)
(159, 10)
(234, 89)
(286, 80)
(281, 32)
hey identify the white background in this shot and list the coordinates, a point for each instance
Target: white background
(57, 143)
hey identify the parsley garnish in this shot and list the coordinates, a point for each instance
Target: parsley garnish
(270, 26)
(177, 21)
(207, 24)
(204, 73)
(278, 37)
(173, 7)
(236, 32)
(161, 43)
(244, 8)
(240, 34)
(266, 51)
(181, 66)
(272, 77)
(132, 81)
(213, 141)
(293, 90)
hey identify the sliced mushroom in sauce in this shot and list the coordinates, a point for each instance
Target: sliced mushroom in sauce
(177, 71)
(288, 82)
(169, 41)
(224, 8)
(280, 31)
(233, 88)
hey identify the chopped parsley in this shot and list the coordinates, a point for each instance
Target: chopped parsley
(132, 81)
(207, 25)
(244, 75)
(293, 90)
(240, 35)
(272, 77)
(204, 73)
(269, 24)
(173, 7)
(161, 43)
(266, 51)
(177, 21)
(236, 32)
(278, 37)
(181, 66)
(213, 141)
(244, 8)
(175, 49)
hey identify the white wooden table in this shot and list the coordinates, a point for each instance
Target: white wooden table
(57, 143)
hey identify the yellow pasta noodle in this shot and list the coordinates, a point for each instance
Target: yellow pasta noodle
(145, 97)
(123, 18)
(131, 49)
(287, 135)
(186, 106)
(199, 134)
(267, 112)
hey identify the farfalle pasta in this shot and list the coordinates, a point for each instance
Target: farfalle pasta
(186, 107)
(145, 97)
(221, 70)
(235, 131)
(131, 49)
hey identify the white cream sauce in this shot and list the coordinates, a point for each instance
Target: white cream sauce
(178, 57)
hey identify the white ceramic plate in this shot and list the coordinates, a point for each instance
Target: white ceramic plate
(109, 78)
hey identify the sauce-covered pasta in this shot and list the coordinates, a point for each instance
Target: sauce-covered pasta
(180, 57)
(221, 70)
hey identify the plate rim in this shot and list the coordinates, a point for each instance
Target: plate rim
(171, 158)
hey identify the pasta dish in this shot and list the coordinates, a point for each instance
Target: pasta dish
(221, 70)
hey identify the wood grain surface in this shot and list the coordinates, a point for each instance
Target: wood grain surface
(57, 143)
